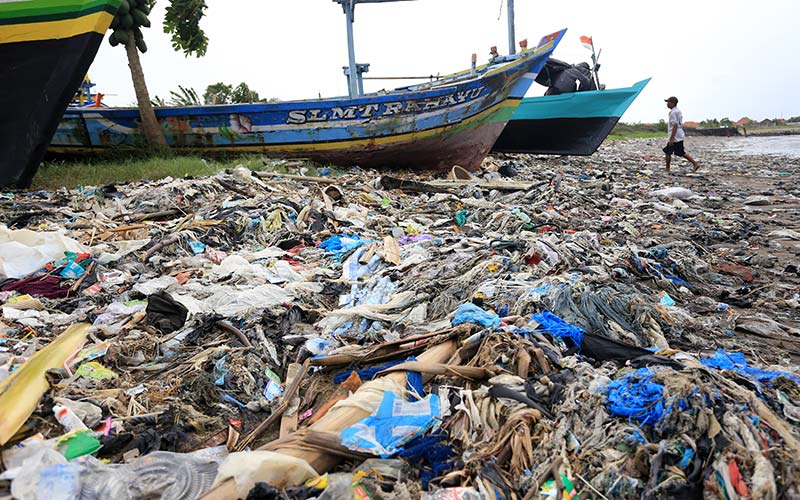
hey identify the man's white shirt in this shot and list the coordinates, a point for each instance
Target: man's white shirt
(676, 118)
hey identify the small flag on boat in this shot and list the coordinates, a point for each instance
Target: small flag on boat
(587, 42)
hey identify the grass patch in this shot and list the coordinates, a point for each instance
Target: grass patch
(635, 135)
(623, 131)
(74, 173)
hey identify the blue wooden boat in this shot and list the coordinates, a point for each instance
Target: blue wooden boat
(452, 121)
(566, 124)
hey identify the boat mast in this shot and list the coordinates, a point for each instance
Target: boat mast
(349, 12)
(353, 71)
(511, 42)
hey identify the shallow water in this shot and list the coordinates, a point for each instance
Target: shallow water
(786, 145)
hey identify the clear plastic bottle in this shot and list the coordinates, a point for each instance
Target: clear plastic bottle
(68, 419)
(162, 475)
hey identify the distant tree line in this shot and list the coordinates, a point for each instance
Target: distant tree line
(715, 123)
(216, 93)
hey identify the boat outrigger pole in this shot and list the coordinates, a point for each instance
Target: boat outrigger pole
(353, 71)
(512, 49)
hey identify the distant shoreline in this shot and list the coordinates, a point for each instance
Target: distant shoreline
(774, 131)
(649, 130)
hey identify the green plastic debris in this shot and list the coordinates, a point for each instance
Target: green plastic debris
(82, 443)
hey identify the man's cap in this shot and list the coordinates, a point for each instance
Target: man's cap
(671, 99)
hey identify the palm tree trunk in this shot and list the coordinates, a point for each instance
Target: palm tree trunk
(150, 127)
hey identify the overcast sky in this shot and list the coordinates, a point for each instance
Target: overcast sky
(729, 58)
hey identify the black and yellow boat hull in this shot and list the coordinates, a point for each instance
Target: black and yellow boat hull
(46, 47)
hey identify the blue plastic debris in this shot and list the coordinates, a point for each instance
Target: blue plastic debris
(470, 313)
(658, 252)
(233, 401)
(666, 300)
(635, 396)
(557, 327)
(72, 270)
(677, 281)
(395, 423)
(542, 290)
(197, 247)
(686, 459)
(340, 244)
(635, 437)
(414, 378)
(461, 217)
(432, 454)
(735, 361)
(220, 371)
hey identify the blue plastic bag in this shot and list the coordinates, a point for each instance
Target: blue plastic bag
(635, 396)
(72, 270)
(340, 244)
(557, 327)
(735, 361)
(395, 423)
(470, 313)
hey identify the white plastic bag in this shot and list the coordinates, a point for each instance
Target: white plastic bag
(250, 467)
(22, 252)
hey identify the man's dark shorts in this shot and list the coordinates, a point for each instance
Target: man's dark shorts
(675, 149)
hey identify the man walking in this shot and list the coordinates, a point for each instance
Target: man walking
(676, 136)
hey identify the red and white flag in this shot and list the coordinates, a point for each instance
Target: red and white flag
(587, 42)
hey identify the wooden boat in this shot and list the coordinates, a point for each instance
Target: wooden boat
(452, 121)
(46, 47)
(566, 124)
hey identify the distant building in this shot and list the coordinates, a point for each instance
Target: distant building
(691, 125)
(772, 122)
(743, 122)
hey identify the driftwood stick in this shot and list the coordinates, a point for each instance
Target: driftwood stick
(289, 419)
(121, 229)
(390, 182)
(377, 353)
(278, 411)
(295, 177)
(551, 471)
(161, 244)
(155, 215)
(74, 288)
(224, 325)
(230, 186)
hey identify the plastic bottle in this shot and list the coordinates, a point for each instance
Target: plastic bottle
(67, 418)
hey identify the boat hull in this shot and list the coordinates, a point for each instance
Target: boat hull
(431, 126)
(45, 52)
(566, 124)
(464, 143)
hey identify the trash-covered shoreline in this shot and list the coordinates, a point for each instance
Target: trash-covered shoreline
(548, 328)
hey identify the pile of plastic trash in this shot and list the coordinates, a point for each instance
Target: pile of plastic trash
(585, 328)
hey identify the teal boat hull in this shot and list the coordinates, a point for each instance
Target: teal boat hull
(566, 124)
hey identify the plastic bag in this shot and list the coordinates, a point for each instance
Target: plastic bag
(679, 193)
(470, 313)
(453, 494)
(23, 252)
(228, 301)
(250, 467)
(395, 423)
(162, 475)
